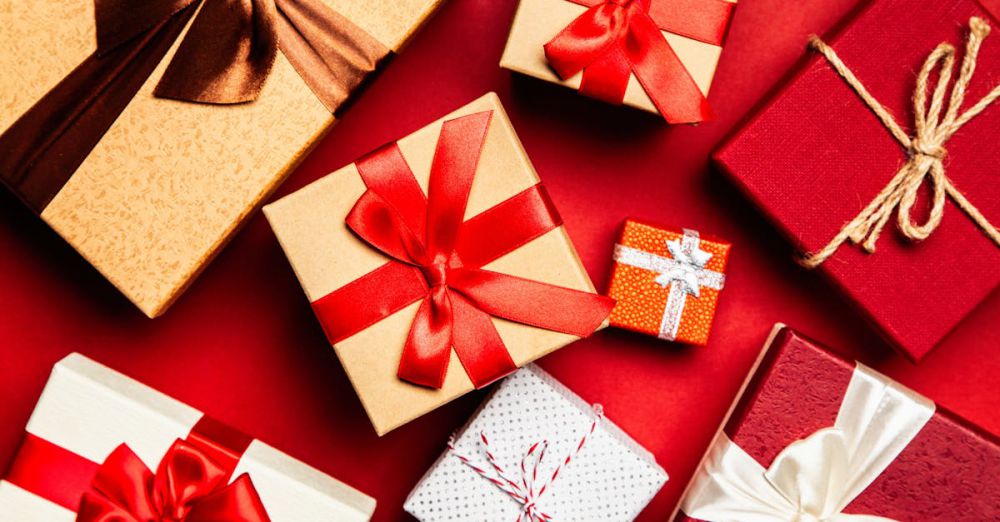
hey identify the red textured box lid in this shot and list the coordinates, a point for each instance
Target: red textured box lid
(948, 472)
(815, 155)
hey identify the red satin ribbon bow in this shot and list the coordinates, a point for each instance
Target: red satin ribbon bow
(436, 259)
(189, 486)
(615, 38)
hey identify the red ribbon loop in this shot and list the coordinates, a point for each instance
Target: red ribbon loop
(615, 38)
(189, 486)
(428, 238)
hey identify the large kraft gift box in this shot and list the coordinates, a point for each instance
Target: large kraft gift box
(694, 32)
(100, 446)
(368, 331)
(817, 437)
(170, 181)
(815, 155)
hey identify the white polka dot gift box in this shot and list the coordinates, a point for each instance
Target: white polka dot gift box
(536, 452)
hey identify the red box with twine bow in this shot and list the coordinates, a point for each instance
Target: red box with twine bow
(667, 282)
(656, 55)
(827, 167)
(817, 437)
(100, 446)
(145, 132)
(437, 264)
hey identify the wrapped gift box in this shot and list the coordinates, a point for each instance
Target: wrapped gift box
(87, 411)
(813, 161)
(838, 435)
(609, 478)
(666, 282)
(694, 31)
(169, 181)
(337, 268)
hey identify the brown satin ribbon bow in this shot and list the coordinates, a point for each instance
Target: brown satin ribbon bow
(225, 58)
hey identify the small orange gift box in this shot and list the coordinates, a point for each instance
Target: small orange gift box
(667, 281)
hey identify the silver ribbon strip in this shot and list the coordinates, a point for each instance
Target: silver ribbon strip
(815, 478)
(684, 273)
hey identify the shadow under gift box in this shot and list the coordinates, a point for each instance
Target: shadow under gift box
(947, 471)
(815, 155)
(170, 181)
(327, 256)
(87, 410)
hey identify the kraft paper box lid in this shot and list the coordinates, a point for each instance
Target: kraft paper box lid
(538, 21)
(326, 256)
(170, 181)
(611, 479)
(89, 410)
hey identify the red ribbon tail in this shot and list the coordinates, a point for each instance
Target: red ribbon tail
(478, 345)
(237, 501)
(663, 76)
(428, 346)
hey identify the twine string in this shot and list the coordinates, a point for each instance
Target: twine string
(926, 149)
(528, 489)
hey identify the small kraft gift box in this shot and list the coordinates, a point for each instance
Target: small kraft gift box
(535, 451)
(146, 132)
(100, 446)
(437, 264)
(816, 437)
(659, 56)
(666, 282)
(878, 160)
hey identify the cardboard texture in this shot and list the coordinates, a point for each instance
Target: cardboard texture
(945, 473)
(89, 410)
(538, 21)
(170, 181)
(611, 479)
(326, 255)
(815, 155)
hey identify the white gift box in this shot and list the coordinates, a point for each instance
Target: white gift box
(90, 410)
(609, 478)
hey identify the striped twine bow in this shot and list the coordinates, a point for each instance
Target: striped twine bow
(524, 491)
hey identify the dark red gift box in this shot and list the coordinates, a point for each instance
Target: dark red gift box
(946, 472)
(815, 155)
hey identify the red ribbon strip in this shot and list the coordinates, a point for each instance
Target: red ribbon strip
(436, 259)
(615, 38)
(191, 483)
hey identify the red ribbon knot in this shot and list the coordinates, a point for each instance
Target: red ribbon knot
(436, 258)
(189, 486)
(615, 38)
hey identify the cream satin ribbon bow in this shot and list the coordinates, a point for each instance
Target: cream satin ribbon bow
(814, 479)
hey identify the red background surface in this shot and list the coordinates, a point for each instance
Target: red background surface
(243, 346)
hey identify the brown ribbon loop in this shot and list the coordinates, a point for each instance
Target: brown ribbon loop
(225, 58)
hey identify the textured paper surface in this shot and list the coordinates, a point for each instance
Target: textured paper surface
(946, 473)
(538, 21)
(90, 410)
(170, 181)
(611, 479)
(326, 255)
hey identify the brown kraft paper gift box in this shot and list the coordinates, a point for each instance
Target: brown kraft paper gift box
(326, 256)
(170, 181)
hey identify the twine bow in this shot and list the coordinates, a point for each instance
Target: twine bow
(926, 149)
(526, 489)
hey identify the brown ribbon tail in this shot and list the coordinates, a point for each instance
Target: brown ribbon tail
(119, 21)
(226, 56)
(331, 54)
(46, 145)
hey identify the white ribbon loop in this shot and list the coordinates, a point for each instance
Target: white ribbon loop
(684, 273)
(816, 478)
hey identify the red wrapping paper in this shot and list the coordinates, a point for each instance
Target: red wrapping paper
(948, 472)
(815, 155)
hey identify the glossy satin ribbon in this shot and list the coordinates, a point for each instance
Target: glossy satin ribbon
(191, 483)
(225, 58)
(436, 259)
(816, 478)
(615, 38)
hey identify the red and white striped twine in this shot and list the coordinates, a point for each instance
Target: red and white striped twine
(525, 491)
